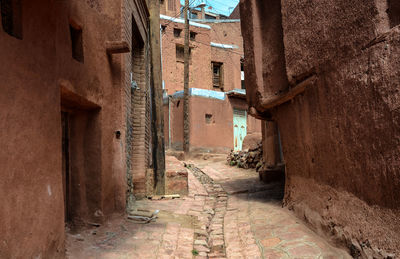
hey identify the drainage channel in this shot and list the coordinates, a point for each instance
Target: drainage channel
(209, 239)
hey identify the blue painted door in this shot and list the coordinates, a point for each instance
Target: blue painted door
(239, 128)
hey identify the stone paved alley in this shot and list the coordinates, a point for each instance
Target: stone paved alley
(227, 214)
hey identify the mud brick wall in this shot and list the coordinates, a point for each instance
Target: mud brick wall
(341, 139)
(200, 61)
(137, 101)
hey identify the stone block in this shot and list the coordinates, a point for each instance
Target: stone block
(176, 177)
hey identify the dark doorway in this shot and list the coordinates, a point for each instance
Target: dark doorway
(274, 168)
(66, 163)
(393, 12)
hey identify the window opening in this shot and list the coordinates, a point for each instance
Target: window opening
(208, 118)
(171, 5)
(193, 35)
(77, 43)
(177, 32)
(11, 17)
(217, 74)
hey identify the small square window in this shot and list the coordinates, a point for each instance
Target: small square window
(177, 32)
(163, 28)
(193, 35)
(77, 43)
(209, 118)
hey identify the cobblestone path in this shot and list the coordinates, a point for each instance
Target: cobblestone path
(227, 214)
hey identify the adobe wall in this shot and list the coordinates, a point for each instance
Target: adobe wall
(203, 54)
(341, 137)
(228, 33)
(42, 80)
(31, 208)
(136, 103)
(215, 135)
(200, 63)
(98, 80)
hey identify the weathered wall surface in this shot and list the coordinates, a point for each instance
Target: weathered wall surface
(200, 61)
(207, 135)
(31, 208)
(92, 80)
(202, 54)
(40, 80)
(216, 134)
(341, 137)
(228, 33)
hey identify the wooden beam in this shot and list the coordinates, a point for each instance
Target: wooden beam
(269, 103)
(157, 98)
(117, 47)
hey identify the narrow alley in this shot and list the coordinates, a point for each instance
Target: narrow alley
(228, 213)
(200, 129)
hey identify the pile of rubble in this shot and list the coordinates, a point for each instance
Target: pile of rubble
(250, 157)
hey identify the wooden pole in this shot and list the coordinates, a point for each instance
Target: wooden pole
(157, 95)
(186, 117)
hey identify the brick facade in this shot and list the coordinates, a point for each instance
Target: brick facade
(137, 101)
(215, 43)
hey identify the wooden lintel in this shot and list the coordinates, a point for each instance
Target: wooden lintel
(117, 47)
(261, 116)
(269, 103)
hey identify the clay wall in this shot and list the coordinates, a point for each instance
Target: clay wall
(94, 81)
(136, 100)
(341, 137)
(31, 208)
(211, 123)
(217, 134)
(45, 79)
(228, 33)
(202, 54)
(200, 62)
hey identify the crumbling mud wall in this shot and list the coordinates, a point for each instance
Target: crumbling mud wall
(341, 136)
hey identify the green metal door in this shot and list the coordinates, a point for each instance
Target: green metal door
(239, 128)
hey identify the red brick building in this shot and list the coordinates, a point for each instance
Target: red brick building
(325, 77)
(74, 120)
(216, 55)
